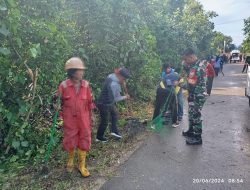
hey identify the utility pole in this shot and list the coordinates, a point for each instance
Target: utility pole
(224, 49)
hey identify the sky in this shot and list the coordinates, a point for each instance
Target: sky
(230, 16)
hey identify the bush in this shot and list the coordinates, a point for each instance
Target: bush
(37, 37)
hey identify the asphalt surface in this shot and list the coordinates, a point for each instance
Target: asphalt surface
(165, 162)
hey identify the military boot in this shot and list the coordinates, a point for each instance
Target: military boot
(188, 133)
(194, 140)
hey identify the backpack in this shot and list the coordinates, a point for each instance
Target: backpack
(217, 63)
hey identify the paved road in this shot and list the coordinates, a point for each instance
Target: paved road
(165, 162)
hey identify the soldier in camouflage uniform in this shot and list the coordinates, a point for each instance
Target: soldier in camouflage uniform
(196, 84)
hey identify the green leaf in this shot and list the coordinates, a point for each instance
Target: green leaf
(4, 30)
(4, 51)
(83, 53)
(25, 124)
(20, 167)
(21, 79)
(41, 151)
(22, 109)
(2, 170)
(81, 50)
(16, 13)
(16, 144)
(11, 3)
(25, 143)
(38, 48)
(20, 151)
(28, 153)
(52, 27)
(19, 42)
(22, 131)
(14, 158)
(2, 8)
(17, 134)
(9, 116)
(33, 52)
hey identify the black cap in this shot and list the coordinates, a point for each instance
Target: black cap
(165, 66)
(188, 52)
(124, 72)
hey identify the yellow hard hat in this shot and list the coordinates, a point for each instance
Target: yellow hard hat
(74, 63)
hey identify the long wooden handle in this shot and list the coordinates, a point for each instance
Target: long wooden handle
(128, 105)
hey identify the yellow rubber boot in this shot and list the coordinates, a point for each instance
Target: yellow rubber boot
(81, 161)
(70, 163)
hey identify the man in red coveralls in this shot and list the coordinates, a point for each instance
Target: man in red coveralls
(76, 102)
(210, 74)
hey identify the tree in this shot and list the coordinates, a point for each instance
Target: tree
(217, 43)
(245, 47)
(30, 47)
(37, 37)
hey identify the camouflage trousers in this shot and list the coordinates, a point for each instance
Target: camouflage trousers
(195, 104)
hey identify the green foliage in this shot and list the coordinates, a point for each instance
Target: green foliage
(29, 50)
(245, 47)
(37, 37)
(217, 43)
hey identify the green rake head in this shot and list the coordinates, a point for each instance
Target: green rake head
(159, 124)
